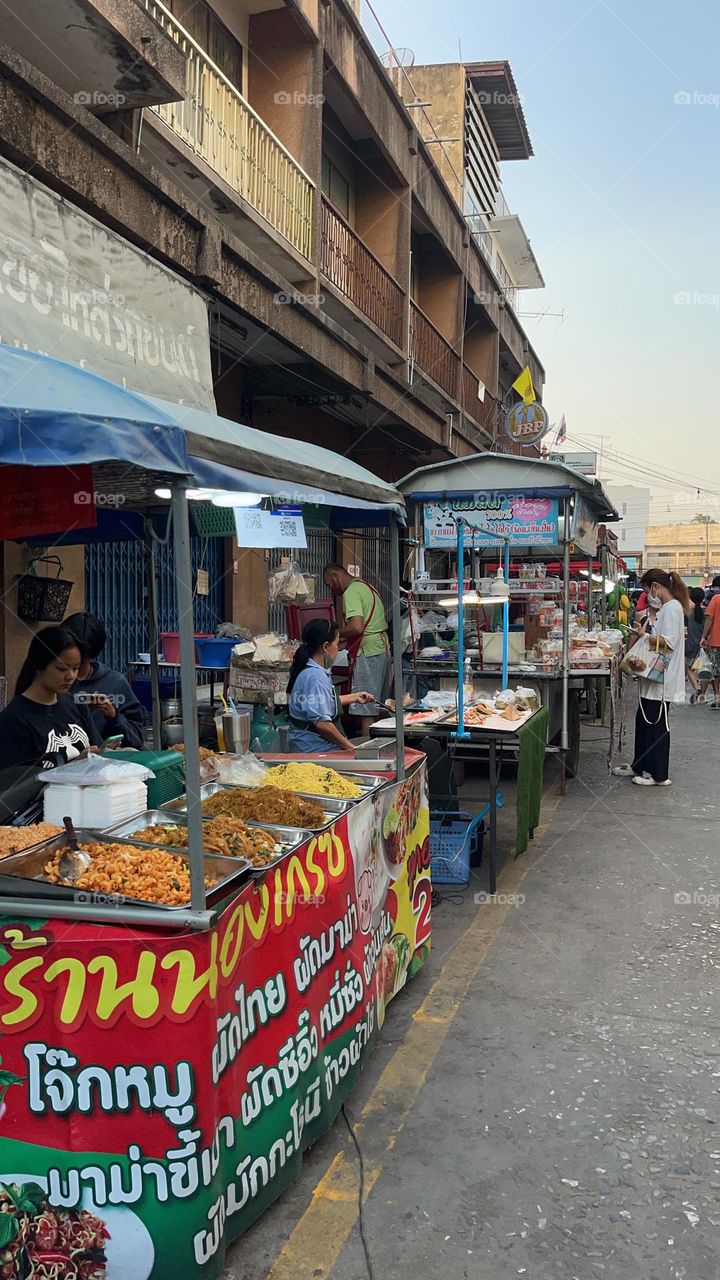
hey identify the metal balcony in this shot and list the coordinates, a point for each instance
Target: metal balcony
(221, 128)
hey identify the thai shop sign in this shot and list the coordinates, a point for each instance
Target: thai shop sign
(72, 289)
(160, 1087)
(493, 518)
(584, 527)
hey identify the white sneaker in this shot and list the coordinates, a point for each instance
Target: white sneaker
(646, 781)
(623, 771)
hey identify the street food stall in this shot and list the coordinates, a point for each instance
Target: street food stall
(187, 1000)
(483, 529)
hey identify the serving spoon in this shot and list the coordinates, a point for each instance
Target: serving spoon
(73, 861)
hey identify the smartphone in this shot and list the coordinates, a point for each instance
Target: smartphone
(112, 742)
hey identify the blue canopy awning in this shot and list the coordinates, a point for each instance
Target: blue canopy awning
(56, 414)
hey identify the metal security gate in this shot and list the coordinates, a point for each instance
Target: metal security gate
(115, 590)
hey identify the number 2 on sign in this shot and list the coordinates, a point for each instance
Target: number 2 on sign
(422, 898)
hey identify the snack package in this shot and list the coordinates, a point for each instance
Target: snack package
(288, 585)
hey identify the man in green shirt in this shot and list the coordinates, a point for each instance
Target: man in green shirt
(364, 631)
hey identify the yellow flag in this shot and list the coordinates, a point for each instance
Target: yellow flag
(523, 384)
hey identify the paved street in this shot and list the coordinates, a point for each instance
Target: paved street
(545, 1100)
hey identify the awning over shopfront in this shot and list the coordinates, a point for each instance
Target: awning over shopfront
(54, 414)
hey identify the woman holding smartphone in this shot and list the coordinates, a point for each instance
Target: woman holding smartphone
(43, 727)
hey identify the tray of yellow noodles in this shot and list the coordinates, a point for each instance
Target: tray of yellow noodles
(321, 780)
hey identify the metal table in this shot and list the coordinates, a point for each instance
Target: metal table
(549, 684)
(219, 675)
(492, 741)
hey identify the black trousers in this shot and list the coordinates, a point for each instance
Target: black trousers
(652, 739)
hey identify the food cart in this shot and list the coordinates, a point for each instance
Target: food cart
(485, 513)
(164, 1067)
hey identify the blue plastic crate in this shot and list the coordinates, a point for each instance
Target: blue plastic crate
(454, 840)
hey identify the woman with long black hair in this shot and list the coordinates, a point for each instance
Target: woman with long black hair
(668, 595)
(42, 727)
(314, 705)
(695, 625)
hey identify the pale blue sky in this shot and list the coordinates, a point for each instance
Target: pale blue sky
(622, 204)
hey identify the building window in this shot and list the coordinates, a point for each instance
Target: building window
(336, 187)
(214, 38)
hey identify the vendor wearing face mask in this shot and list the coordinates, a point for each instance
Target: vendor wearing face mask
(314, 706)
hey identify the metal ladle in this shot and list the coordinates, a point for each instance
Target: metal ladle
(73, 861)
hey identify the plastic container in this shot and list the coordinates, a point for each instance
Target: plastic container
(171, 644)
(169, 780)
(455, 838)
(94, 806)
(214, 652)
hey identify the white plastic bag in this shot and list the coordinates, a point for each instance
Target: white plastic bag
(96, 770)
(241, 770)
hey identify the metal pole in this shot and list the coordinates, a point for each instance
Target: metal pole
(461, 733)
(603, 574)
(397, 648)
(492, 769)
(188, 689)
(566, 643)
(506, 619)
(591, 564)
(151, 569)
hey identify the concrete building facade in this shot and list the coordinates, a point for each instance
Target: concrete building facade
(261, 152)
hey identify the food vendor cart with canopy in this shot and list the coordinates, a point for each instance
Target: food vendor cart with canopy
(165, 1068)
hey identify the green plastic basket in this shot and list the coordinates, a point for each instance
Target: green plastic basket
(168, 767)
(211, 521)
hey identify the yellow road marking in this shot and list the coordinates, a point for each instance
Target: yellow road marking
(320, 1235)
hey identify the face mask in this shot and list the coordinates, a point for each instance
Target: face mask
(336, 591)
(329, 661)
(654, 601)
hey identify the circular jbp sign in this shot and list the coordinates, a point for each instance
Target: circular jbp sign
(526, 423)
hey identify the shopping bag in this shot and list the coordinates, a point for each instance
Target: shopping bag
(646, 660)
(702, 666)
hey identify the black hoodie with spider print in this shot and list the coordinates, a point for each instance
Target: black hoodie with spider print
(43, 737)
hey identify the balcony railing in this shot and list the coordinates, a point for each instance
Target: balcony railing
(487, 412)
(216, 122)
(355, 271)
(432, 352)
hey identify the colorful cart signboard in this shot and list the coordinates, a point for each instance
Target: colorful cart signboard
(492, 519)
(158, 1089)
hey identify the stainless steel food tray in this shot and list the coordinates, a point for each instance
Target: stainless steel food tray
(288, 838)
(332, 809)
(368, 782)
(23, 874)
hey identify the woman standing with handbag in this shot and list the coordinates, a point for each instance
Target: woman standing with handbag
(651, 761)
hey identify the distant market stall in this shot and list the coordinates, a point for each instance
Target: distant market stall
(484, 529)
(165, 1065)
